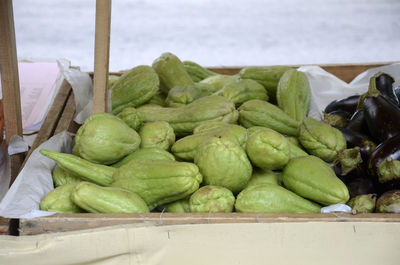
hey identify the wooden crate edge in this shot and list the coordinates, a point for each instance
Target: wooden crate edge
(73, 222)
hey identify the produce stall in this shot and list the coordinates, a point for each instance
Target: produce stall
(152, 233)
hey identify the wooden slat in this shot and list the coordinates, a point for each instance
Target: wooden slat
(4, 225)
(66, 123)
(101, 58)
(50, 123)
(10, 81)
(71, 222)
(9, 71)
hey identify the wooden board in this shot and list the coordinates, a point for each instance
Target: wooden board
(4, 225)
(10, 82)
(72, 222)
(101, 58)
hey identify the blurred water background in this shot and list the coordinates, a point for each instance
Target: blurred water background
(213, 33)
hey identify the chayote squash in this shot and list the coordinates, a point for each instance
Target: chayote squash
(212, 199)
(85, 170)
(171, 72)
(182, 95)
(223, 162)
(61, 176)
(268, 149)
(157, 134)
(294, 94)
(260, 176)
(242, 90)
(59, 200)
(104, 138)
(196, 71)
(145, 153)
(186, 147)
(183, 120)
(219, 81)
(179, 206)
(210, 125)
(311, 178)
(158, 99)
(262, 113)
(268, 76)
(158, 182)
(134, 88)
(97, 199)
(320, 139)
(272, 198)
(295, 148)
(131, 117)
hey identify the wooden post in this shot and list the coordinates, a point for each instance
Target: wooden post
(10, 81)
(101, 55)
(9, 71)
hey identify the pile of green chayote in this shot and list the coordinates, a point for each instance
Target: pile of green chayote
(182, 138)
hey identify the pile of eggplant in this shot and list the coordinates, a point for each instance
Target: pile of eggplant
(371, 125)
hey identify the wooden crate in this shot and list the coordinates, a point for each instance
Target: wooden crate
(60, 118)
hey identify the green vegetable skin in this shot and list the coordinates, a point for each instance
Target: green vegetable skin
(268, 149)
(294, 94)
(157, 134)
(184, 119)
(181, 95)
(62, 176)
(321, 139)
(104, 139)
(294, 148)
(83, 169)
(179, 206)
(97, 199)
(219, 81)
(131, 117)
(158, 181)
(271, 198)
(223, 162)
(311, 178)
(145, 153)
(261, 113)
(171, 72)
(212, 199)
(242, 90)
(268, 76)
(264, 177)
(58, 200)
(134, 88)
(186, 147)
(196, 71)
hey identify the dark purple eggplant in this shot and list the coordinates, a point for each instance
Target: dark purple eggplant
(357, 123)
(338, 118)
(348, 104)
(381, 114)
(384, 83)
(355, 139)
(384, 163)
(361, 186)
